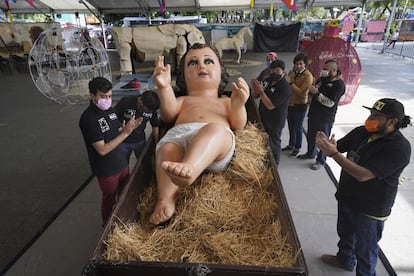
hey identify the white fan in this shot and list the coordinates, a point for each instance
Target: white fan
(62, 64)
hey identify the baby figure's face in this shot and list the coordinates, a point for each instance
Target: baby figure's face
(202, 69)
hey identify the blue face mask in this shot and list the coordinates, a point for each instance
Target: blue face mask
(268, 63)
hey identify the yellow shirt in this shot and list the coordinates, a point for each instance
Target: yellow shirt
(300, 87)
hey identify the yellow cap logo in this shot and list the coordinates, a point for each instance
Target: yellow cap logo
(379, 105)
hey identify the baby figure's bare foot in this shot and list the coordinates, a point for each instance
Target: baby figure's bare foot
(164, 210)
(181, 174)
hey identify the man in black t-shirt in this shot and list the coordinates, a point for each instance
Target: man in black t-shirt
(274, 95)
(144, 106)
(326, 94)
(377, 153)
(103, 133)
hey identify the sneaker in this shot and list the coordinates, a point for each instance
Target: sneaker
(294, 152)
(305, 156)
(332, 260)
(288, 148)
(316, 166)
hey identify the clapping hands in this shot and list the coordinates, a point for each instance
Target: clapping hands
(325, 144)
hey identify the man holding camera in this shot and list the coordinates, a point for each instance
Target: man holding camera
(144, 106)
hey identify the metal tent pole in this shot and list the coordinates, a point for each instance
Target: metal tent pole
(361, 16)
(387, 33)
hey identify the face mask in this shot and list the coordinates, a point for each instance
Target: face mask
(300, 71)
(275, 77)
(104, 104)
(371, 125)
(324, 73)
(268, 63)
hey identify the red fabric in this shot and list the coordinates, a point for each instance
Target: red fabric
(347, 57)
(305, 43)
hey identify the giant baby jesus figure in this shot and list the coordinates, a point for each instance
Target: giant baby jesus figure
(201, 137)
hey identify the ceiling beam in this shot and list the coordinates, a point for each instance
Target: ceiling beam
(147, 6)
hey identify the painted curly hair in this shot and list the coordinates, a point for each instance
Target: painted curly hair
(181, 83)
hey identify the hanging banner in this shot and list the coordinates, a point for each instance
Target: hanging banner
(251, 4)
(290, 4)
(276, 38)
(162, 6)
(271, 9)
(9, 14)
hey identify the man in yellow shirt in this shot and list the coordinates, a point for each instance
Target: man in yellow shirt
(300, 78)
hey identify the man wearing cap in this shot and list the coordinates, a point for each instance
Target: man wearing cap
(376, 155)
(271, 56)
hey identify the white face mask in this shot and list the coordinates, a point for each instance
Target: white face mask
(324, 73)
(104, 104)
(300, 71)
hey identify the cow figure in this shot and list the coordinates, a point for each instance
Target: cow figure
(147, 43)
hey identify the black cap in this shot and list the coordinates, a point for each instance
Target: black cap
(389, 107)
(277, 64)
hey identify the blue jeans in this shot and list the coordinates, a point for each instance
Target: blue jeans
(127, 149)
(315, 125)
(358, 240)
(296, 115)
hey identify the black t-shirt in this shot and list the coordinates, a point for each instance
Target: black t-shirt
(278, 94)
(97, 125)
(126, 108)
(386, 158)
(332, 90)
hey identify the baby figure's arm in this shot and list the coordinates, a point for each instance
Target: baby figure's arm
(240, 94)
(169, 105)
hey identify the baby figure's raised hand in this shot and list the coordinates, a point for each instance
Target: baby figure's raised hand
(162, 73)
(240, 92)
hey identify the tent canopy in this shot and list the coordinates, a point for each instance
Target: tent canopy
(143, 6)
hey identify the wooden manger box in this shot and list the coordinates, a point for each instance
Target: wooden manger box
(127, 212)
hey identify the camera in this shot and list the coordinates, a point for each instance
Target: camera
(146, 114)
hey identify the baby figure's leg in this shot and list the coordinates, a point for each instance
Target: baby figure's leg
(176, 168)
(211, 143)
(167, 190)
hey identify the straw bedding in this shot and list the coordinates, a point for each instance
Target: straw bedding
(226, 218)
